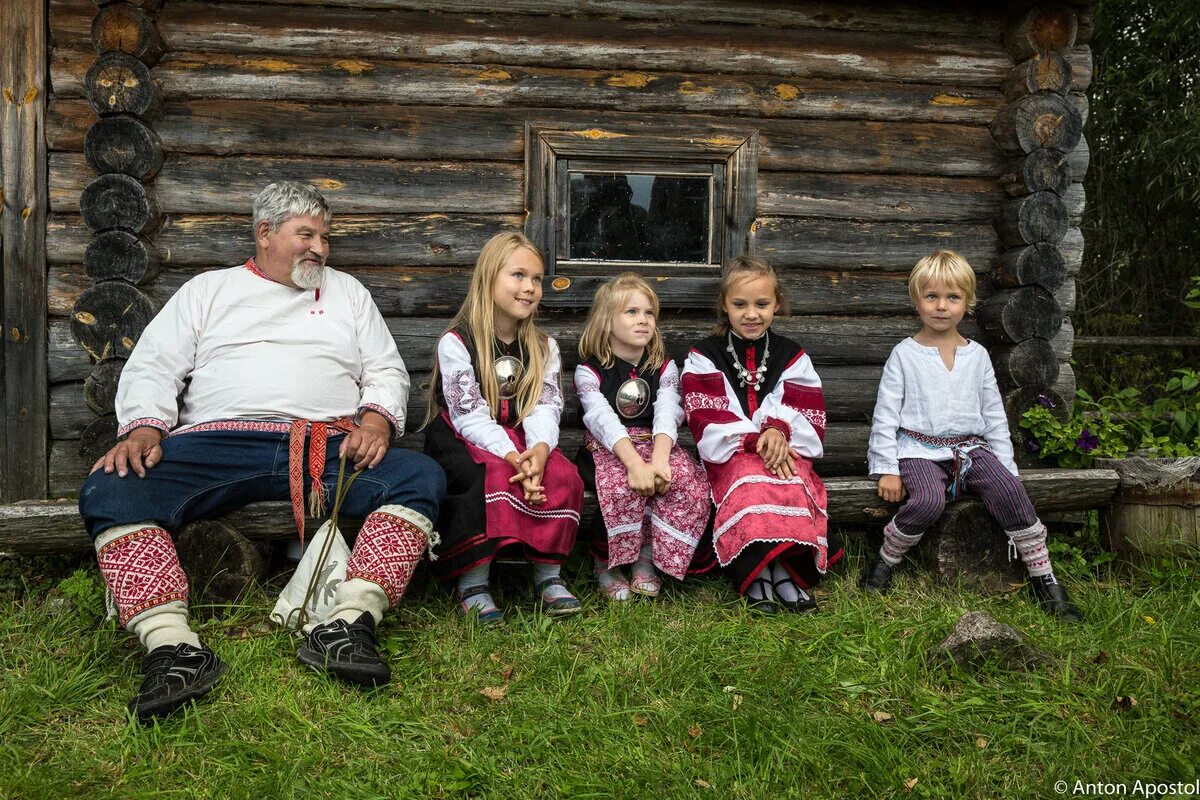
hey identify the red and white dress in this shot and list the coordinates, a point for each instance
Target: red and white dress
(484, 512)
(760, 517)
(673, 523)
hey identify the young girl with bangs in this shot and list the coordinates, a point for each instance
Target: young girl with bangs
(652, 493)
(755, 406)
(492, 424)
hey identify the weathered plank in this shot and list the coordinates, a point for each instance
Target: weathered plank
(953, 19)
(456, 239)
(579, 43)
(828, 340)
(878, 197)
(211, 185)
(382, 130)
(22, 250)
(48, 527)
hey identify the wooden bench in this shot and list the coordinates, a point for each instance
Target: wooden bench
(51, 527)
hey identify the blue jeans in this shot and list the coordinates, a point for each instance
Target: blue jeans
(209, 473)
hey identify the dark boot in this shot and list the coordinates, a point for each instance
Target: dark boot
(1049, 594)
(346, 650)
(174, 676)
(878, 576)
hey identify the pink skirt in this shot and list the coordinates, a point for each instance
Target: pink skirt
(755, 506)
(672, 523)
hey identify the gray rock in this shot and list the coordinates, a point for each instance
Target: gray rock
(978, 639)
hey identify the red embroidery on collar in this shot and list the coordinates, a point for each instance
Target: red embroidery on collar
(250, 265)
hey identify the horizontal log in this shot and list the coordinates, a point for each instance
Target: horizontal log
(108, 319)
(1138, 341)
(1065, 296)
(1071, 248)
(1042, 29)
(1037, 217)
(1079, 159)
(117, 201)
(146, 5)
(584, 43)
(380, 130)
(1040, 171)
(122, 28)
(456, 239)
(828, 340)
(1075, 199)
(1043, 72)
(1033, 265)
(891, 17)
(100, 388)
(1063, 343)
(877, 197)
(118, 83)
(38, 528)
(1014, 315)
(849, 397)
(123, 143)
(227, 185)
(121, 255)
(1038, 120)
(1029, 363)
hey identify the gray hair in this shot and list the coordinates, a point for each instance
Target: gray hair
(281, 201)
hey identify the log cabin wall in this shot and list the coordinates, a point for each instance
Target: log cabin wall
(874, 140)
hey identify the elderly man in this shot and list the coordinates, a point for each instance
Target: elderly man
(250, 385)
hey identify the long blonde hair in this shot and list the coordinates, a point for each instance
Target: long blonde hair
(477, 317)
(607, 302)
(743, 268)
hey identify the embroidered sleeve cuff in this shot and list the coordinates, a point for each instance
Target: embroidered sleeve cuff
(397, 428)
(144, 422)
(779, 425)
(750, 443)
(884, 468)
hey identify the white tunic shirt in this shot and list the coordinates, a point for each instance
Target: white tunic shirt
(232, 344)
(919, 394)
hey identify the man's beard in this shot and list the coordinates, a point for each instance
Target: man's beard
(308, 275)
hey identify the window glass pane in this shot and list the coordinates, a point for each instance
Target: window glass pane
(634, 217)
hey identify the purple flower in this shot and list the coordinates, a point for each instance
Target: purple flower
(1087, 441)
(1032, 446)
(1045, 402)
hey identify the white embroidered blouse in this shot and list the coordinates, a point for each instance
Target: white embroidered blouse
(233, 344)
(469, 412)
(919, 394)
(603, 422)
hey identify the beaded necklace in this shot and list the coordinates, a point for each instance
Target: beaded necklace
(745, 376)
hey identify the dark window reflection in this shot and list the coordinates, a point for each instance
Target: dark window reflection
(639, 217)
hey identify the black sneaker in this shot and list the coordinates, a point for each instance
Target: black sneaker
(1049, 594)
(174, 676)
(878, 577)
(346, 650)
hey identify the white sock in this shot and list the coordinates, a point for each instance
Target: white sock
(163, 625)
(543, 571)
(761, 590)
(607, 577)
(357, 595)
(644, 566)
(787, 590)
(477, 576)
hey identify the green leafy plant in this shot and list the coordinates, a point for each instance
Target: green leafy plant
(1120, 423)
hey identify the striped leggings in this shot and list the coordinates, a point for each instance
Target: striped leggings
(1000, 491)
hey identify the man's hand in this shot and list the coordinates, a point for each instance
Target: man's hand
(140, 451)
(891, 488)
(368, 444)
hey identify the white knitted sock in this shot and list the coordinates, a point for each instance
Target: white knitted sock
(354, 596)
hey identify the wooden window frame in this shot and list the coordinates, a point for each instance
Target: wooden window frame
(550, 153)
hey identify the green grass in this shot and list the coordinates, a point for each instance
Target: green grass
(688, 696)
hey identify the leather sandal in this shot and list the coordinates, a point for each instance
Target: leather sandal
(560, 606)
(645, 581)
(488, 615)
(614, 588)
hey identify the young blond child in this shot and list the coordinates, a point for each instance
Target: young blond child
(651, 491)
(492, 424)
(940, 428)
(755, 406)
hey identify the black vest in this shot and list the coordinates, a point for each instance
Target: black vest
(783, 351)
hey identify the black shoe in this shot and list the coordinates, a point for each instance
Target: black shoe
(174, 676)
(346, 650)
(878, 577)
(803, 604)
(1049, 594)
(762, 606)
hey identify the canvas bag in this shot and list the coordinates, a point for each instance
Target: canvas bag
(329, 575)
